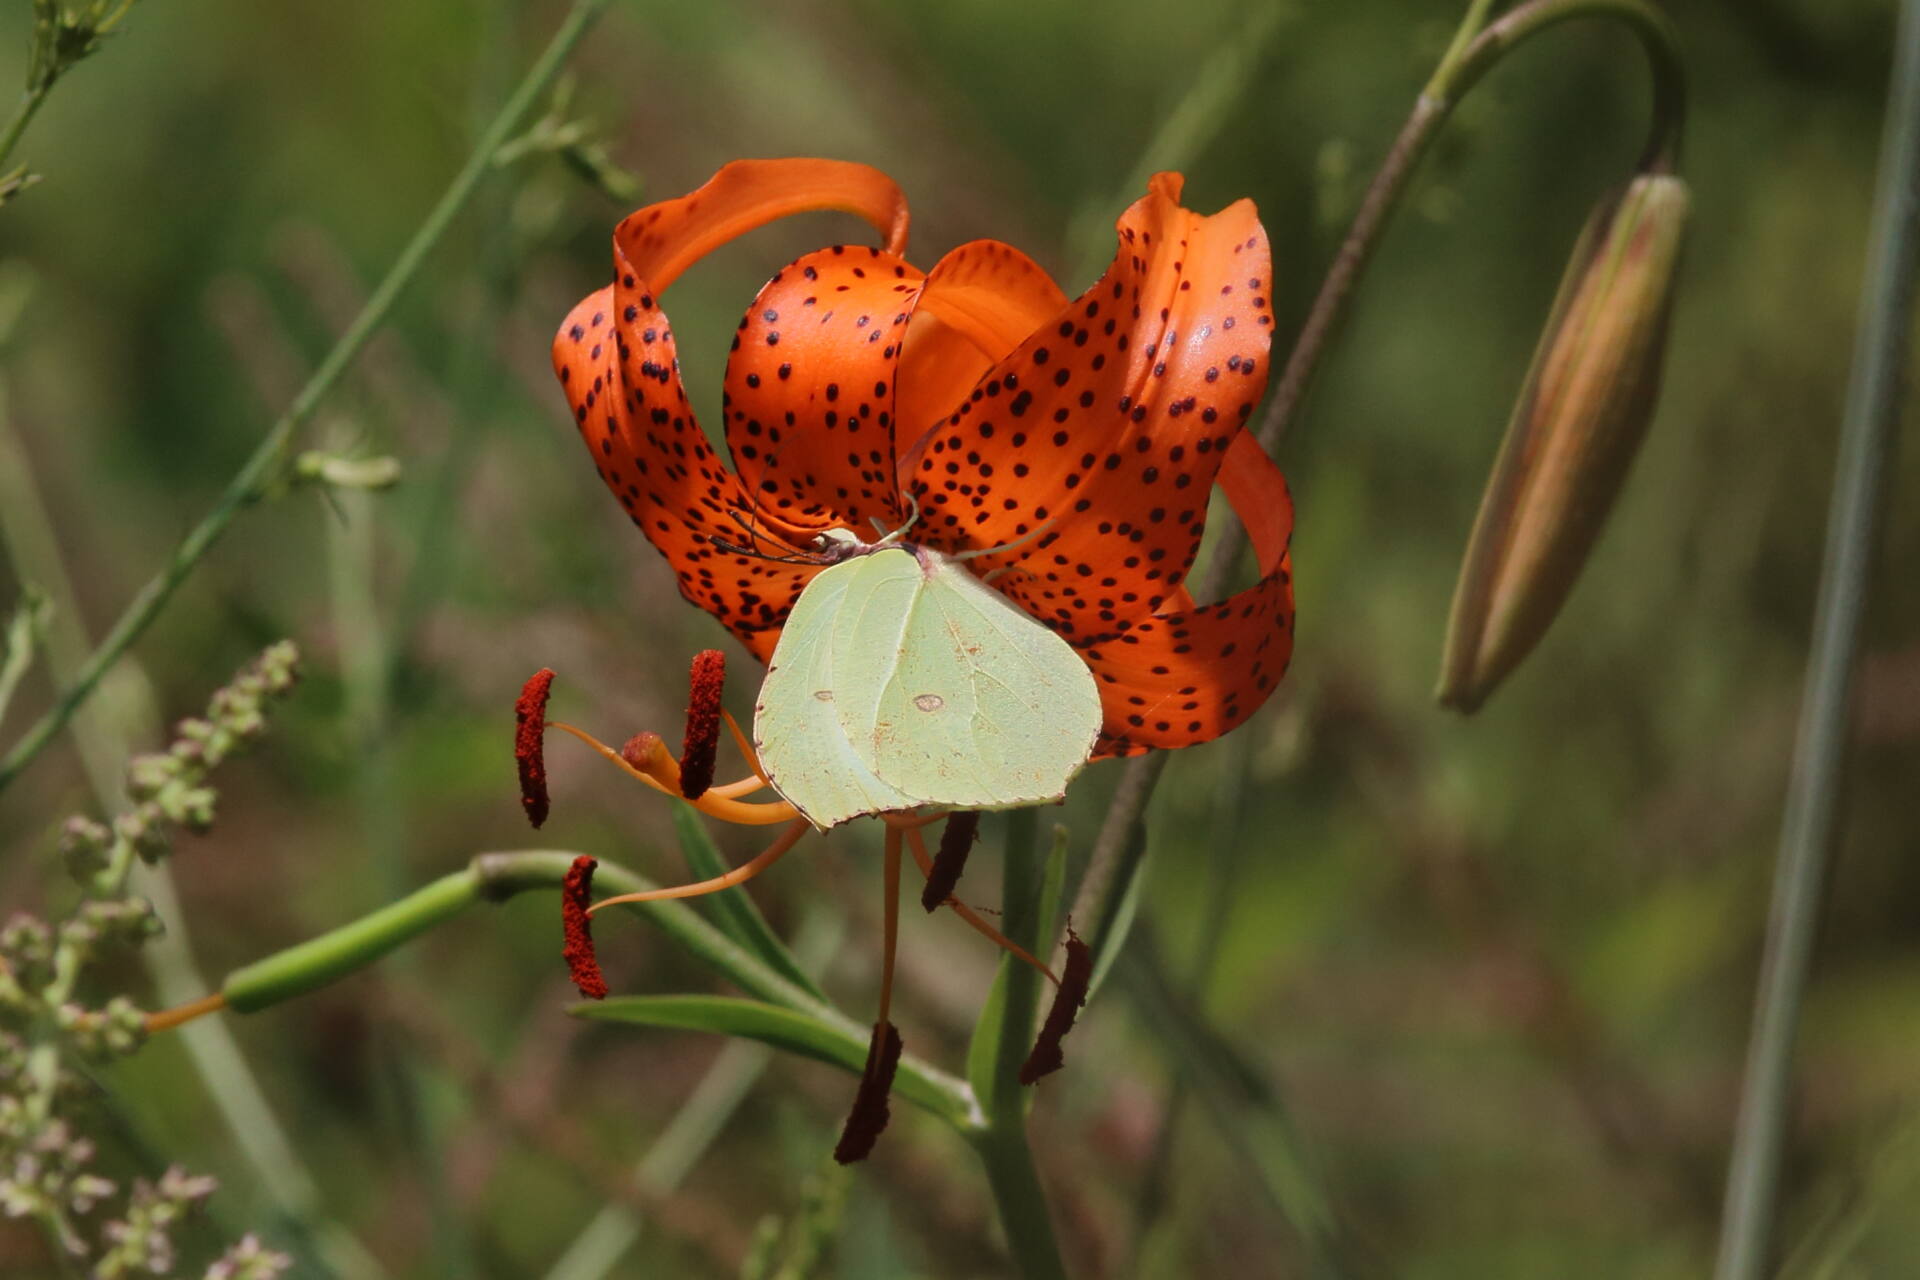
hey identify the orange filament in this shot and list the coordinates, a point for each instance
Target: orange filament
(181, 1014)
(659, 770)
(741, 741)
(918, 844)
(739, 875)
(869, 1115)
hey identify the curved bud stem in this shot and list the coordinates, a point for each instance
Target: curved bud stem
(1474, 52)
(1467, 61)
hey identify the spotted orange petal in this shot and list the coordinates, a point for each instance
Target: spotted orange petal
(980, 302)
(1188, 677)
(1107, 427)
(811, 387)
(616, 360)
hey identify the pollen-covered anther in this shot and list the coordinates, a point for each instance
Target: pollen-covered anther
(705, 683)
(870, 1113)
(576, 892)
(956, 842)
(529, 732)
(1075, 979)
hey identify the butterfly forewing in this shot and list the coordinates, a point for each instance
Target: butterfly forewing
(949, 693)
(802, 747)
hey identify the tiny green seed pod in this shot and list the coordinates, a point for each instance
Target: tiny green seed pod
(1581, 417)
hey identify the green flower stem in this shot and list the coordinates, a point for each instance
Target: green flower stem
(324, 960)
(1464, 64)
(1815, 788)
(1002, 1144)
(492, 877)
(1021, 1201)
(265, 465)
(30, 103)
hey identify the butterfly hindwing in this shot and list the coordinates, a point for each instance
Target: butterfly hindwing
(802, 747)
(951, 694)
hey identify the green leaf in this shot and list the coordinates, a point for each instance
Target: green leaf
(28, 620)
(1109, 935)
(732, 910)
(983, 1051)
(1248, 1111)
(838, 1042)
(1006, 1022)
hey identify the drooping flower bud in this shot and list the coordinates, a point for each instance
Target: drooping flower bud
(1582, 414)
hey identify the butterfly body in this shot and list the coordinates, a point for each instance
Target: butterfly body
(903, 680)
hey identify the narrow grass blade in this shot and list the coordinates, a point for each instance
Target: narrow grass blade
(732, 911)
(837, 1042)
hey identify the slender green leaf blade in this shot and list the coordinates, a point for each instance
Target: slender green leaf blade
(732, 911)
(841, 1044)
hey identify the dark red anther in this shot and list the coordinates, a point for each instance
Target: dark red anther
(529, 729)
(1074, 981)
(705, 682)
(869, 1115)
(956, 841)
(576, 893)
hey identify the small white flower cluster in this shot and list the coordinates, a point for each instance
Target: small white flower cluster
(47, 1032)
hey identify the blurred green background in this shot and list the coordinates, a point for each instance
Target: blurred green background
(1490, 977)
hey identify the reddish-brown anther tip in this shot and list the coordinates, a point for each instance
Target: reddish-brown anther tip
(529, 729)
(1046, 1057)
(956, 842)
(869, 1115)
(705, 682)
(576, 893)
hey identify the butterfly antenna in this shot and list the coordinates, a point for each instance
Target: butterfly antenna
(889, 537)
(1024, 538)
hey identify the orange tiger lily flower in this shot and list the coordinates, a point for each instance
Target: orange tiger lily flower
(1082, 437)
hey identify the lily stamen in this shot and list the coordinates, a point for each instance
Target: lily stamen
(739, 875)
(648, 753)
(917, 843)
(869, 1115)
(956, 842)
(745, 744)
(705, 682)
(659, 770)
